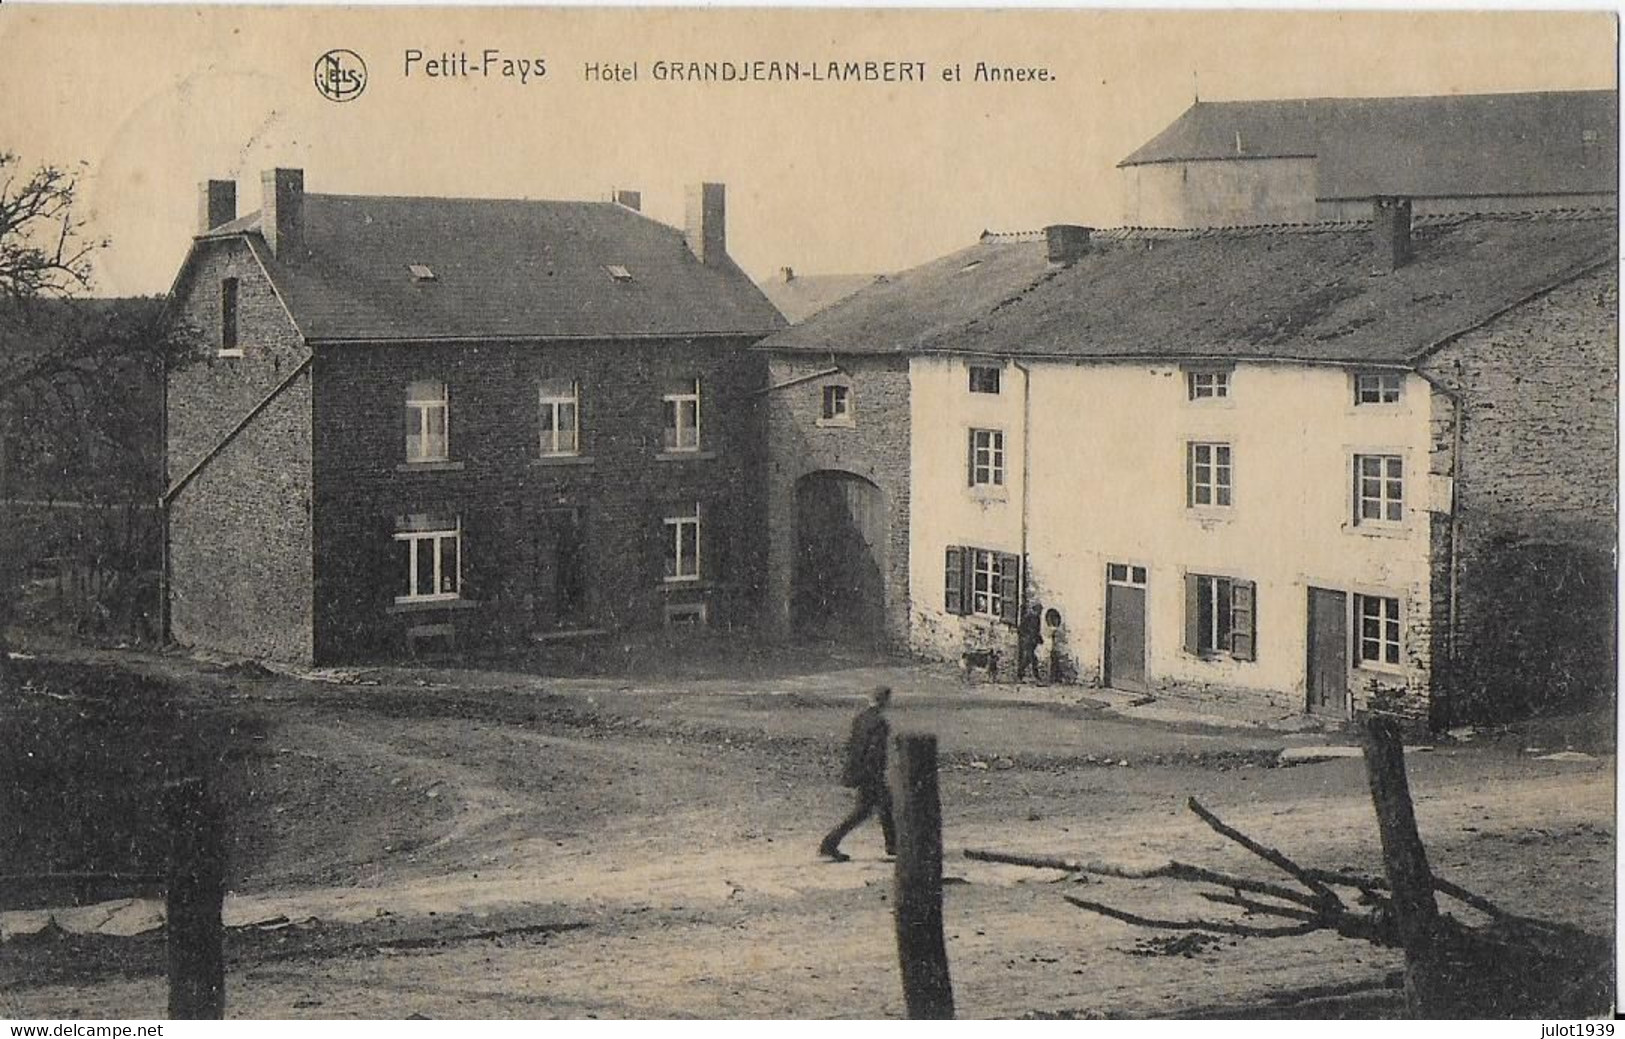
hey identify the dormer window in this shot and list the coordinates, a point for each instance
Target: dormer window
(421, 272)
(618, 272)
(230, 343)
(1378, 387)
(1207, 384)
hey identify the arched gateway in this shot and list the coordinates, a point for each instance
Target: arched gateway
(840, 540)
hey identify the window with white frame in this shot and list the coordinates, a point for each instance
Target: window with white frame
(426, 422)
(987, 458)
(837, 408)
(1379, 489)
(1376, 641)
(1209, 384)
(987, 583)
(984, 378)
(683, 545)
(1207, 475)
(1377, 387)
(430, 554)
(1220, 616)
(561, 416)
(982, 581)
(681, 401)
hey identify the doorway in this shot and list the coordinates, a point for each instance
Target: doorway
(1125, 627)
(560, 600)
(838, 590)
(1328, 669)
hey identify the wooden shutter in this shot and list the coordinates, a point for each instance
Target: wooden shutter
(1010, 588)
(1244, 620)
(953, 597)
(1193, 614)
(970, 458)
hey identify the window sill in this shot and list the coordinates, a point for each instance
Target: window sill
(429, 467)
(229, 353)
(1396, 531)
(684, 456)
(1394, 671)
(686, 584)
(1211, 513)
(427, 605)
(547, 460)
(834, 423)
(987, 492)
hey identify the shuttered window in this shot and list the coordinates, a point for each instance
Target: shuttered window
(1221, 616)
(982, 582)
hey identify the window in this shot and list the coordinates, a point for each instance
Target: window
(1377, 636)
(979, 581)
(618, 272)
(1207, 475)
(683, 545)
(986, 458)
(837, 405)
(230, 344)
(1377, 388)
(431, 557)
(1220, 616)
(1207, 385)
(1379, 489)
(682, 406)
(984, 378)
(421, 272)
(1126, 574)
(561, 417)
(426, 415)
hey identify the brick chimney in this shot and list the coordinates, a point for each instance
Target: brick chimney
(706, 227)
(1391, 231)
(787, 274)
(632, 200)
(216, 204)
(282, 212)
(1067, 242)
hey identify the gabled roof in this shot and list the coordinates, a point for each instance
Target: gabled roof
(803, 295)
(501, 268)
(1557, 142)
(1306, 292)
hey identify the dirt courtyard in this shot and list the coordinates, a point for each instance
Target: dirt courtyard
(499, 844)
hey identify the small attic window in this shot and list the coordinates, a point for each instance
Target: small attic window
(618, 272)
(971, 266)
(421, 272)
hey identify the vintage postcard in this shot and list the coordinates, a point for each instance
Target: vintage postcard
(791, 513)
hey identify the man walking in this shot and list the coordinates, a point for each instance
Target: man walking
(865, 769)
(1029, 634)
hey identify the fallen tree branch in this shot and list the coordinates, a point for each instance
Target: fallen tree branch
(1172, 870)
(1255, 906)
(1270, 855)
(1211, 926)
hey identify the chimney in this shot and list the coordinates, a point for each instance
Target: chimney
(282, 212)
(1067, 242)
(1391, 231)
(632, 200)
(787, 274)
(216, 204)
(706, 227)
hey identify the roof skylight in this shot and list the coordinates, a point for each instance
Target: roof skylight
(421, 272)
(618, 272)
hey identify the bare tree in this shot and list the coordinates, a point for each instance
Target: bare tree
(44, 252)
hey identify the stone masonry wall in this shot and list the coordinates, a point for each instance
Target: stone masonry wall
(240, 532)
(1535, 502)
(875, 446)
(498, 485)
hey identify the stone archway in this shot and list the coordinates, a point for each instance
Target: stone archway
(837, 589)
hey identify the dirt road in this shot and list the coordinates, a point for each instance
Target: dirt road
(491, 844)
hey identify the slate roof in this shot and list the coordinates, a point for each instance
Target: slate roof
(1448, 146)
(502, 268)
(804, 295)
(1304, 292)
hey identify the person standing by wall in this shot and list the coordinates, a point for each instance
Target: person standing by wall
(1029, 634)
(865, 770)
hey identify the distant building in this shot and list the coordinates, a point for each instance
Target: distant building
(421, 421)
(800, 296)
(1299, 161)
(1297, 468)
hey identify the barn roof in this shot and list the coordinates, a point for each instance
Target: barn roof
(1304, 292)
(1558, 142)
(499, 268)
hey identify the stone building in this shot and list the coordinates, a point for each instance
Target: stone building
(421, 421)
(1300, 161)
(1293, 468)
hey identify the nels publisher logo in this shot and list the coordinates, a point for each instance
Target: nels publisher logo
(341, 75)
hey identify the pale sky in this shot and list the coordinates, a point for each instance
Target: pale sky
(824, 177)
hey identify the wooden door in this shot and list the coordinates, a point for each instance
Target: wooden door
(1328, 673)
(1125, 627)
(561, 573)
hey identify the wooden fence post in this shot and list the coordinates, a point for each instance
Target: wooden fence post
(1415, 909)
(922, 952)
(196, 887)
